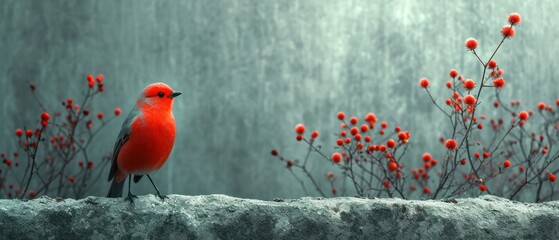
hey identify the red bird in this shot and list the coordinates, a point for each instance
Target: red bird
(145, 140)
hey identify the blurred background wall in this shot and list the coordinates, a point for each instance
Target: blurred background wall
(251, 69)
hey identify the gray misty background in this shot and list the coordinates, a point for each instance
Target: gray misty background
(252, 69)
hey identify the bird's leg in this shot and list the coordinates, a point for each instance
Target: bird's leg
(130, 196)
(156, 189)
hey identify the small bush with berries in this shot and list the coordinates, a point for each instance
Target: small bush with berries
(56, 159)
(514, 157)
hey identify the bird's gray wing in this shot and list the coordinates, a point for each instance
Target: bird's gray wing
(122, 138)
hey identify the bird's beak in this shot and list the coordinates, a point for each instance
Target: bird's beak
(174, 94)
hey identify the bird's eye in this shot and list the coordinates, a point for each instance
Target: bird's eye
(160, 94)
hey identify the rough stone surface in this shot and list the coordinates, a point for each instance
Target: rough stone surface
(224, 217)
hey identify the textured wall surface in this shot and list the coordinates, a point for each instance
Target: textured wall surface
(224, 217)
(251, 69)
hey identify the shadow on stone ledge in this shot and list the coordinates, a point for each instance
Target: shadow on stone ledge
(224, 217)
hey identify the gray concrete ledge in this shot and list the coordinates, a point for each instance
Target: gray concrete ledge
(224, 217)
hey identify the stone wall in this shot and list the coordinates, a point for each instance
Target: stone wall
(224, 217)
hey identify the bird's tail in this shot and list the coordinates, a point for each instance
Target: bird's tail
(116, 188)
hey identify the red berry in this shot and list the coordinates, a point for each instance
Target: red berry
(507, 31)
(471, 43)
(289, 163)
(299, 137)
(476, 155)
(427, 165)
(463, 161)
(496, 104)
(300, 129)
(341, 115)
(340, 142)
(451, 144)
(541, 105)
(424, 82)
(100, 78)
(383, 124)
(551, 177)
(90, 78)
(370, 117)
(364, 128)
(314, 134)
(521, 169)
(403, 136)
(336, 157)
(117, 111)
(354, 131)
(426, 190)
(334, 191)
(367, 138)
(523, 115)
(353, 120)
(100, 115)
(392, 166)
(80, 163)
(448, 84)
(397, 129)
(28, 133)
(434, 162)
(514, 18)
(89, 165)
(45, 116)
(19, 132)
(86, 112)
(390, 143)
(491, 64)
(382, 148)
(274, 153)
(358, 137)
(486, 155)
(506, 163)
(359, 145)
(470, 100)
(426, 157)
(469, 84)
(71, 179)
(453, 73)
(499, 83)
(386, 184)
(482, 188)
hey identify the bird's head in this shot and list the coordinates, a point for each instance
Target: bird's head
(158, 95)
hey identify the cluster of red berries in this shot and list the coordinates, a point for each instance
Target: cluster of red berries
(362, 134)
(360, 141)
(60, 140)
(91, 82)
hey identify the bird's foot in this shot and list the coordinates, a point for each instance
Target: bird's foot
(162, 197)
(130, 197)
